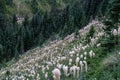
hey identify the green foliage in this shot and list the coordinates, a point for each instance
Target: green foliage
(2, 21)
(64, 31)
(9, 2)
(103, 7)
(109, 41)
(90, 34)
(2, 6)
(34, 6)
(110, 72)
(91, 8)
(26, 21)
(2, 14)
(14, 21)
(1, 52)
(114, 11)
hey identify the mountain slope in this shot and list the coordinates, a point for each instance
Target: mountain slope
(88, 54)
(46, 58)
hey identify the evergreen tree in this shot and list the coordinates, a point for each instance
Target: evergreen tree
(14, 21)
(26, 21)
(36, 23)
(2, 29)
(113, 16)
(46, 29)
(2, 6)
(34, 6)
(103, 7)
(91, 7)
(2, 21)
(54, 14)
(28, 38)
(114, 11)
(9, 2)
(71, 26)
(76, 12)
(1, 53)
(64, 17)
(65, 14)
(64, 31)
(2, 14)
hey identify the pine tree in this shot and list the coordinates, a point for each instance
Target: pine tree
(2, 29)
(9, 2)
(34, 6)
(14, 21)
(2, 21)
(64, 17)
(36, 23)
(76, 12)
(114, 11)
(2, 14)
(103, 7)
(54, 14)
(64, 31)
(2, 53)
(2, 6)
(113, 16)
(46, 30)
(26, 21)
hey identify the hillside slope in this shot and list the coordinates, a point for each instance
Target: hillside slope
(37, 64)
(26, 24)
(91, 53)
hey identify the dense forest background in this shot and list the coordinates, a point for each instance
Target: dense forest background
(23, 27)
